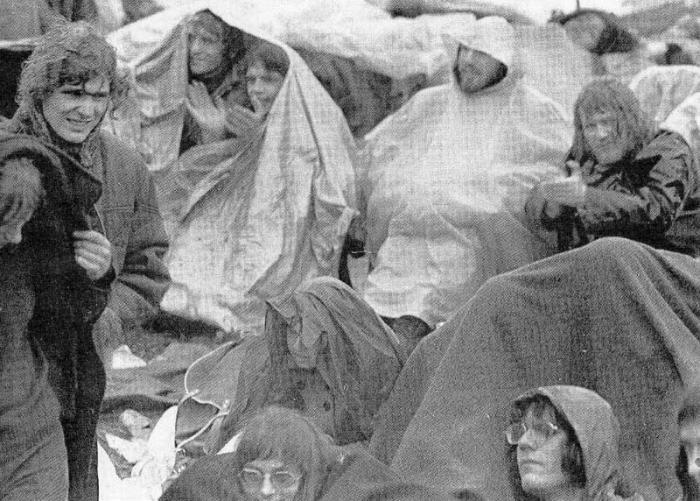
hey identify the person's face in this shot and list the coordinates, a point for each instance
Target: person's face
(74, 110)
(263, 86)
(205, 51)
(11, 231)
(475, 69)
(270, 480)
(603, 138)
(690, 441)
(585, 30)
(539, 454)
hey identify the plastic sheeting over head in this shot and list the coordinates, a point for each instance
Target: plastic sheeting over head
(258, 216)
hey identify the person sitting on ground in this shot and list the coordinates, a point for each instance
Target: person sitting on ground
(563, 445)
(446, 183)
(284, 456)
(625, 180)
(216, 94)
(688, 464)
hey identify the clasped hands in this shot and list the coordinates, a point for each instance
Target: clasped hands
(214, 118)
(569, 191)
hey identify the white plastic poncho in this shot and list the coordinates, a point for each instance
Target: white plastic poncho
(447, 178)
(263, 215)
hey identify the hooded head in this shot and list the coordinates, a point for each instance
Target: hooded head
(688, 465)
(577, 425)
(213, 46)
(67, 86)
(486, 57)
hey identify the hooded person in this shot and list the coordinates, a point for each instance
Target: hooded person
(563, 441)
(252, 217)
(446, 180)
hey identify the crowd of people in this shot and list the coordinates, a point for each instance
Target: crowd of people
(529, 326)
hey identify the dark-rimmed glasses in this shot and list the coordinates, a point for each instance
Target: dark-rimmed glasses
(252, 478)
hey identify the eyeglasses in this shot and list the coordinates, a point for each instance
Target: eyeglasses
(541, 432)
(252, 479)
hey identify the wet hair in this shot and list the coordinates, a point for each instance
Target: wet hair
(688, 413)
(21, 190)
(285, 435)
(272, 57)
(71, 53)
(572, 462)
(608, 95)
(614, 37)
(232, 37)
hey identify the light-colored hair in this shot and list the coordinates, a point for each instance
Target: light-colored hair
(608, 95)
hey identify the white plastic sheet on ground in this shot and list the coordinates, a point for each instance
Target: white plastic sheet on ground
(264, 214)
(661, 88)
(447, 178)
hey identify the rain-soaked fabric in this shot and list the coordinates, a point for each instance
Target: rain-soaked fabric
(447, 179)
(661, 88)
(597, 431)
(256, 217)
(615, 316)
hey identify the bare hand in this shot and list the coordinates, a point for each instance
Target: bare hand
(570, 191)
(93, 253)
(241, 120)
(209, 114)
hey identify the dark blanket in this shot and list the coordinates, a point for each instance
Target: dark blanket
(615, 316)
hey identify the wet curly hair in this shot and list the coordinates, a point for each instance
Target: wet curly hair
(70, 53)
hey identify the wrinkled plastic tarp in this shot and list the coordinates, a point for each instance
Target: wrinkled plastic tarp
(661, 88)
(263, 215)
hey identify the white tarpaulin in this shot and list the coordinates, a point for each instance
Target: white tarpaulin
(260, 215)
(447, 178)
(661, 88)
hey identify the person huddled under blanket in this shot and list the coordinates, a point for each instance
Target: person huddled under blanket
(563, 445)
(284, 456)
(625, 180)
(217, 102)
(447, 180)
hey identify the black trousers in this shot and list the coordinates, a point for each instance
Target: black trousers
(79, 429)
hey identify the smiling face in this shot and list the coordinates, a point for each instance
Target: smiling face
(74, 110)
(205, 50)
(603, 137)
(263, 85)
(270, 480)
(540, 456)
(475, 70)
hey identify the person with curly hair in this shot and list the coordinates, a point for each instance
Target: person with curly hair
(67, 86)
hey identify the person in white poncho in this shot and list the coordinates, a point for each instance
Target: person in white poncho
(446, 181)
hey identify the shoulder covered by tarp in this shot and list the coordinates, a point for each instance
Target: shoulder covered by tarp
(263, 214)
(661, 88)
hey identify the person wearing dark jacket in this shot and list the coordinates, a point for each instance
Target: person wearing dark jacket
(44, 198)
(624, 180)
(67, 86)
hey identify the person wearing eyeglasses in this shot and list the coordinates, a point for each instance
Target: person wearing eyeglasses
(563, 445)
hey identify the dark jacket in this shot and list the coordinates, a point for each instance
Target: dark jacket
(653, 198)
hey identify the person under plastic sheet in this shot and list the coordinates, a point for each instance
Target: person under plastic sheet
(252, 217)
(446, 180)
(283, 456)
(563, 444)
(216, 95)
(625, 179)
